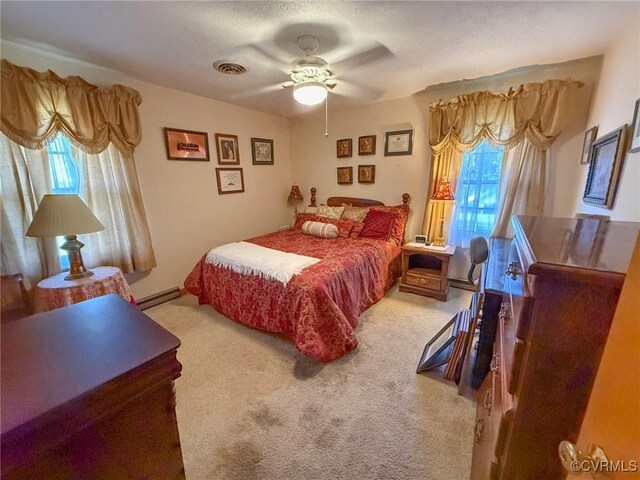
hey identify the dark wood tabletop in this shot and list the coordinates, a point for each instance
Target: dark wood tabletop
(52, 358)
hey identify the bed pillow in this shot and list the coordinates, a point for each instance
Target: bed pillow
(355, 214)
(330, 212)
(305, 217)
(356, 229)
(320, 229)
(313, 210)
(397, 232)
(378, 224)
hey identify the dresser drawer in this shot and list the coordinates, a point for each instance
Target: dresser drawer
(424, 281)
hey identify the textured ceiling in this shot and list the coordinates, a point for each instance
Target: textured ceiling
(378, 50)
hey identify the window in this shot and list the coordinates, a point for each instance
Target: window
(476, 194)
(65, 178)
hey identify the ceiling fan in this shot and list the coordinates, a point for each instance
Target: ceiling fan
(310, 77)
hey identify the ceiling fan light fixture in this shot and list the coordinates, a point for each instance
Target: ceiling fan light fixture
(310, 93)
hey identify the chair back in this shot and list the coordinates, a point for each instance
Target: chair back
(478, 253)
(15, 301)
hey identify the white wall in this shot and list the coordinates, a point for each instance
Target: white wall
(315, 157)
(186, 215)
(612, 107)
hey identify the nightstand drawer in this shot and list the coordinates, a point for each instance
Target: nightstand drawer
(423, 281)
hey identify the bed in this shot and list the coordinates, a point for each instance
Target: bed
(317, 309)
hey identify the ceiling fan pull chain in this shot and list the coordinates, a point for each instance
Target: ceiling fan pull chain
(326, 116)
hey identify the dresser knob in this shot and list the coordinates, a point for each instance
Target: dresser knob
(575, 462)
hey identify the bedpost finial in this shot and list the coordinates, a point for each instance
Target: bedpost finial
(405, 198)
(313, 197)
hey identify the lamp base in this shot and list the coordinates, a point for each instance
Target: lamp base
(77, 269)
(439, 241)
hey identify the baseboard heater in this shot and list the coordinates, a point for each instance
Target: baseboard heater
(158, 298)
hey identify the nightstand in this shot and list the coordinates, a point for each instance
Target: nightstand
(425, 271)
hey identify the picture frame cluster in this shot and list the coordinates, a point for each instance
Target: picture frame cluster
(190, 145)
(399, 142)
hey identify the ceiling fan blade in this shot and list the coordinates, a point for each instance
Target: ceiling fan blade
(348, 88)
(372, 55)
(279, 63)
(255, 91)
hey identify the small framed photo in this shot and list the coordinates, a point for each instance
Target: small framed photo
(230, 180)
(589, 138)
(366, 174)
(345, 175)
(420, 239)
(634, 143)
(227, 147)
(186, 145)
(262, 151)
(367, 145)
(435, 352)
(398, 143)
(343, 148)
(606, 157)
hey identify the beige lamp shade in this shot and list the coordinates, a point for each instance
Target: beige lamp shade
(63, 214)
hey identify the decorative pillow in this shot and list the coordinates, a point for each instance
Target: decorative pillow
(313, 210)
(397, 232)
(344, 227)
(305, 217)
(319, 229)
(355, 214)
(357, 228)
(330, 212)
(378, 224)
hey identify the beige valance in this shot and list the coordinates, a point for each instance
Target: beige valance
(537, 111)
(37, 105)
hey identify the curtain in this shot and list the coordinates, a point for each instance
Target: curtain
(104, 126)
(530, 116)
(522, 185)
(24, 179)
(446, 163)
(109, 186)
(37, 105)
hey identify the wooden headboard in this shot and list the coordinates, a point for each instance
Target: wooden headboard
(355, 202)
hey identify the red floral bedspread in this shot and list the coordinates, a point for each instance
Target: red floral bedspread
(319, 308)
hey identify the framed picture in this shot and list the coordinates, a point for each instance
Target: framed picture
(343, 148)
(230, 180)
(589, 138)
(604, 170)
(398, 143)
(345, 175)
(367, 145)
(186, 145)
(634, 144)
(366, 174)
(262, 151)
(434, 353)
(227, 147)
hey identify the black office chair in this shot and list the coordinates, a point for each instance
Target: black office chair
(478, 253)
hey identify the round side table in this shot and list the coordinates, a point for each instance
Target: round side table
(56, 292)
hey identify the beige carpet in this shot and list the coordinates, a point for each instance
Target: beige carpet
(251, 407)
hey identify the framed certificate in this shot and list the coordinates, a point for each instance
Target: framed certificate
(230, 180)
(398, 143)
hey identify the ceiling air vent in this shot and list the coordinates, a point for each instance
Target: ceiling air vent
(229, 68)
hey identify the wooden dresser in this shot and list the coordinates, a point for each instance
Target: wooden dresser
(559, 297)
(87, 393)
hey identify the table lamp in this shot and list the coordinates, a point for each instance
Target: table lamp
(442, 194)
(66, 214)
(295, 198)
